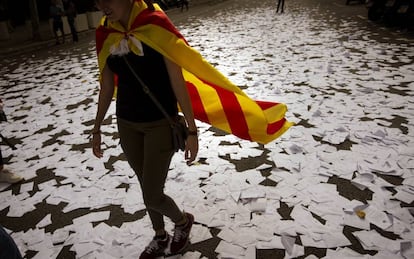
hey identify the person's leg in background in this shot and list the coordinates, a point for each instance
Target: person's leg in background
(1, 161)
(55, 31)
(60, 26)
(8, 248)
(73, 31)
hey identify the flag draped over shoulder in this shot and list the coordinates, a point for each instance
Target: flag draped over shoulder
(215, 99)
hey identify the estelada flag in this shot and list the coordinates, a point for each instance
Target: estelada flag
(215, 99)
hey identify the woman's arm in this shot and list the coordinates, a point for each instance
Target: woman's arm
(105, 97)
(181, 93)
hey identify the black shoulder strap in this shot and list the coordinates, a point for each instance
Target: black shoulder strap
(148, 92)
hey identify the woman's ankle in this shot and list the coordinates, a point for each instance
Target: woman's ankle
(182, 222)
(160, 233)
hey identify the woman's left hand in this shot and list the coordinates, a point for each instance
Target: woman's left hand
(191, 148)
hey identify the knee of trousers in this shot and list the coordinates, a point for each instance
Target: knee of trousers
(154, 201)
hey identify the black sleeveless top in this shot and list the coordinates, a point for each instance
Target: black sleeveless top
(132, 103)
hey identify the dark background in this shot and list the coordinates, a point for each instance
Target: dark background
(18, 11)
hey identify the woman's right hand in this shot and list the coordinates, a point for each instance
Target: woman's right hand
(96, 144)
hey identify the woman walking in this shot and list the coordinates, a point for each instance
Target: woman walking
(145, 133)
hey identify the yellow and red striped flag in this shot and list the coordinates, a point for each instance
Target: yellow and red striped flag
(215, 99)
